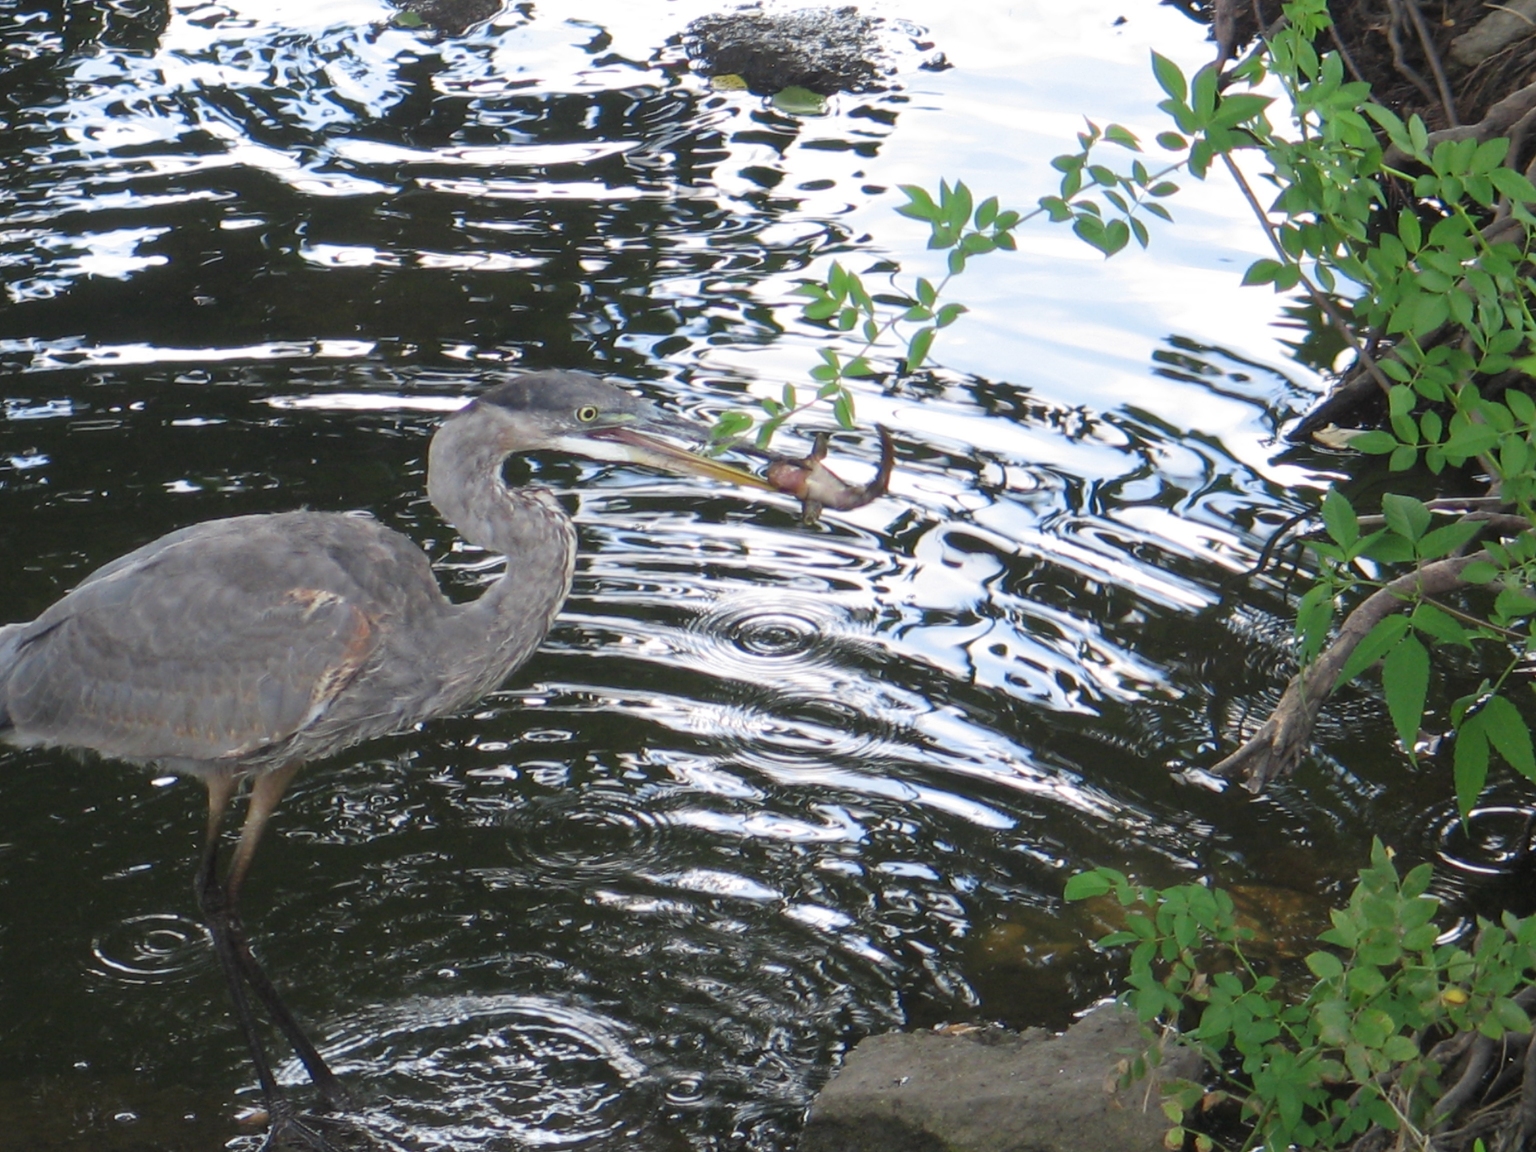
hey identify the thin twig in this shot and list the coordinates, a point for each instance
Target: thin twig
(1528, 1095)
(1497, 122)
(1399, 61)
(1318, 298)
(1274, 540)
(1224, 30)
(1447, 100)
(1277, 746)
(1474, 1068)
(1349, 61)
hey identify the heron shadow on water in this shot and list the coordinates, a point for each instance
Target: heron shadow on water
(236, 650)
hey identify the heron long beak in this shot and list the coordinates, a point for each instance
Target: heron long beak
(653, 452)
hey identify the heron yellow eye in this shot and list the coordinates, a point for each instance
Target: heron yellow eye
(586, 413)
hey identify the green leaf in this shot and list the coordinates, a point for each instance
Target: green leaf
(1479, 572)
(1513, 184)
(1388, 548)
(1242, 106)
(769, 427)
(1511, 1015)
(917, 348)
(1405, 515)
(1313, 616)
(1405, 679)
(1511, 604)
(842, 408)
(1471, 762)
(1115, 134)
(1445, 540)
(1262, 271)
(948, 314)
(919, 205)
(1169, 78)
(407, 19)
(1508, 732)
(798, 101)
(1339, 518)
(1325, 965)
(1521, 405)
(1373, 443)
(730, 424)
(1365, 981)
(1376, 643)
(1441, 625)
(1396, 130)
(1203, 93)
(1086, 886)
(1172, 142)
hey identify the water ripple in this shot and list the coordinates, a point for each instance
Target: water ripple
(586, 836)
(159, 948)
(471, 1072)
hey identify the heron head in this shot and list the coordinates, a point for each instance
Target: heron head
(580, 414)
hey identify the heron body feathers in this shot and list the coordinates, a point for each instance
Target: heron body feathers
(237, 642)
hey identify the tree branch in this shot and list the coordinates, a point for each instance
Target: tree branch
(1277, 747)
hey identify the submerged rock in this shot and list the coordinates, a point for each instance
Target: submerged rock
(824, 49)
(991, 1090)
(450, 17)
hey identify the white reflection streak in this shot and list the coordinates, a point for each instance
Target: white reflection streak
(48, 355)
(370, 402)
(477, 156)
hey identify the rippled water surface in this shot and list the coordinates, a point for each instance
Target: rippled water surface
(766, 788)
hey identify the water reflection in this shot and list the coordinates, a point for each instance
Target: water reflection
(766, 788)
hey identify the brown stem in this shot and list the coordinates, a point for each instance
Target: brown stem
(1528, 1095)
(1224, 30)
(1318, 298)
(1276, 748)
(1349, 61)
(1497, 122)
(1474, 1067)
(1447, 100)
(1399, 61)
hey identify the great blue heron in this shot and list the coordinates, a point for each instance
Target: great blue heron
(238, 649)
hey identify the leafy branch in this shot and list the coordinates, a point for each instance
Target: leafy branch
(1101, 203)
(1366, 1046)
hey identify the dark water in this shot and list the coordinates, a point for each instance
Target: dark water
(766, 789)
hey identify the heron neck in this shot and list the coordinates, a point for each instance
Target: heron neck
(526, 525)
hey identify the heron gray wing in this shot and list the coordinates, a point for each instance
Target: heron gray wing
(210, 644)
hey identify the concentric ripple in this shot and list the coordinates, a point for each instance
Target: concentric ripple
(587, 836)
(159, 948)
(469, 1072)
(745, 638)
(1490, 842)
(801, 728)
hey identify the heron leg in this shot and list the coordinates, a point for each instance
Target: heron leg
(214, 905)
(266, 790)
(220, 904)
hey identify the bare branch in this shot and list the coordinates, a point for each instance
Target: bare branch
(1277, 747)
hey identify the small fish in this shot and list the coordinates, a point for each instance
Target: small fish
(816, 486)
